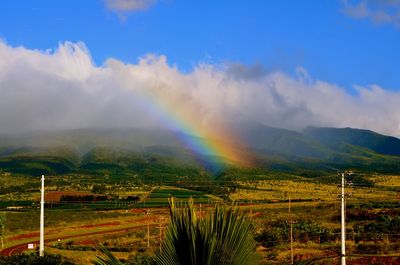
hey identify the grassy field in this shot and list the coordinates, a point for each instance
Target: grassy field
(372, 217)
(159, 197)
(387, 181)
(304, 189)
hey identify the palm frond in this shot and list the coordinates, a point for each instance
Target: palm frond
(222, 237)
(106, 257)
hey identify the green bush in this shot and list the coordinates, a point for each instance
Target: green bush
(141, 259)
(34, 259)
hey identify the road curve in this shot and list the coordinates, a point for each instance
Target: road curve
(17, 249)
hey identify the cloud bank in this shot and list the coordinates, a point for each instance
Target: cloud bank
(64, 89)
(378, 11)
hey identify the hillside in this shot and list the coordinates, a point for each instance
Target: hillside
(266, 139)
(153, 153)
(337, 138)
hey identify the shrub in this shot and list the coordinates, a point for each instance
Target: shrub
(34, 259)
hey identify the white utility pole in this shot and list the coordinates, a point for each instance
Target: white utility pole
(41, 249)
(343, 226)
(291, 235)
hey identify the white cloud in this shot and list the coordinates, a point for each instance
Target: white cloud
(63, 89)
(378, 11)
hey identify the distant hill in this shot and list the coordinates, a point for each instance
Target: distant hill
(266, 139)
(336, 138)
(83, 140)
(155, 153)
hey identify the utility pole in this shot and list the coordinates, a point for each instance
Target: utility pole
(161, 230)
(148, 230)
(251, 210)
(2, 224)
(148, 235)
(291, 235)
(343, 225)
(41, 249)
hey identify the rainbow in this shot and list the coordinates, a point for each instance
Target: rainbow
(214, 142)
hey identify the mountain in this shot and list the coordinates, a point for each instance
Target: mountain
(155, 153)
(338, 138)
(325, 149)
(83, 140)
(266, 139)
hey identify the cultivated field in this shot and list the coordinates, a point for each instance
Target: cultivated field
(129, 228)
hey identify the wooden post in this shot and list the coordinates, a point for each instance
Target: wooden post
(251, 209)
(148, 235)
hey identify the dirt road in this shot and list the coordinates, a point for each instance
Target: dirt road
(17, 249)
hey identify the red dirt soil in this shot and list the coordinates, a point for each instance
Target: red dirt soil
(100, 225)
(368, 260)
(375, 261)
(17, 249)
(138, 211)
(256, 214)
(23, 236)
(56, 195)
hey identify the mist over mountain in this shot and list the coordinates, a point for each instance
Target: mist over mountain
(83, 140)
(318, 149)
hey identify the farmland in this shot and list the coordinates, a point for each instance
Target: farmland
(159, 197)
(130, 228)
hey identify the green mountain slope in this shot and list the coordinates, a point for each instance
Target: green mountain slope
(339, 138)
(272, 140)
(38, 161)
(154, 154)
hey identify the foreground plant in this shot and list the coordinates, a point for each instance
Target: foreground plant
(107, 258)
(223, 236)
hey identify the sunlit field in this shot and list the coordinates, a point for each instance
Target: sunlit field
(75, 230)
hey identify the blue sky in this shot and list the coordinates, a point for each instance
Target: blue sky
(279, 35)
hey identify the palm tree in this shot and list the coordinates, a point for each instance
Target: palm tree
(222, 237)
